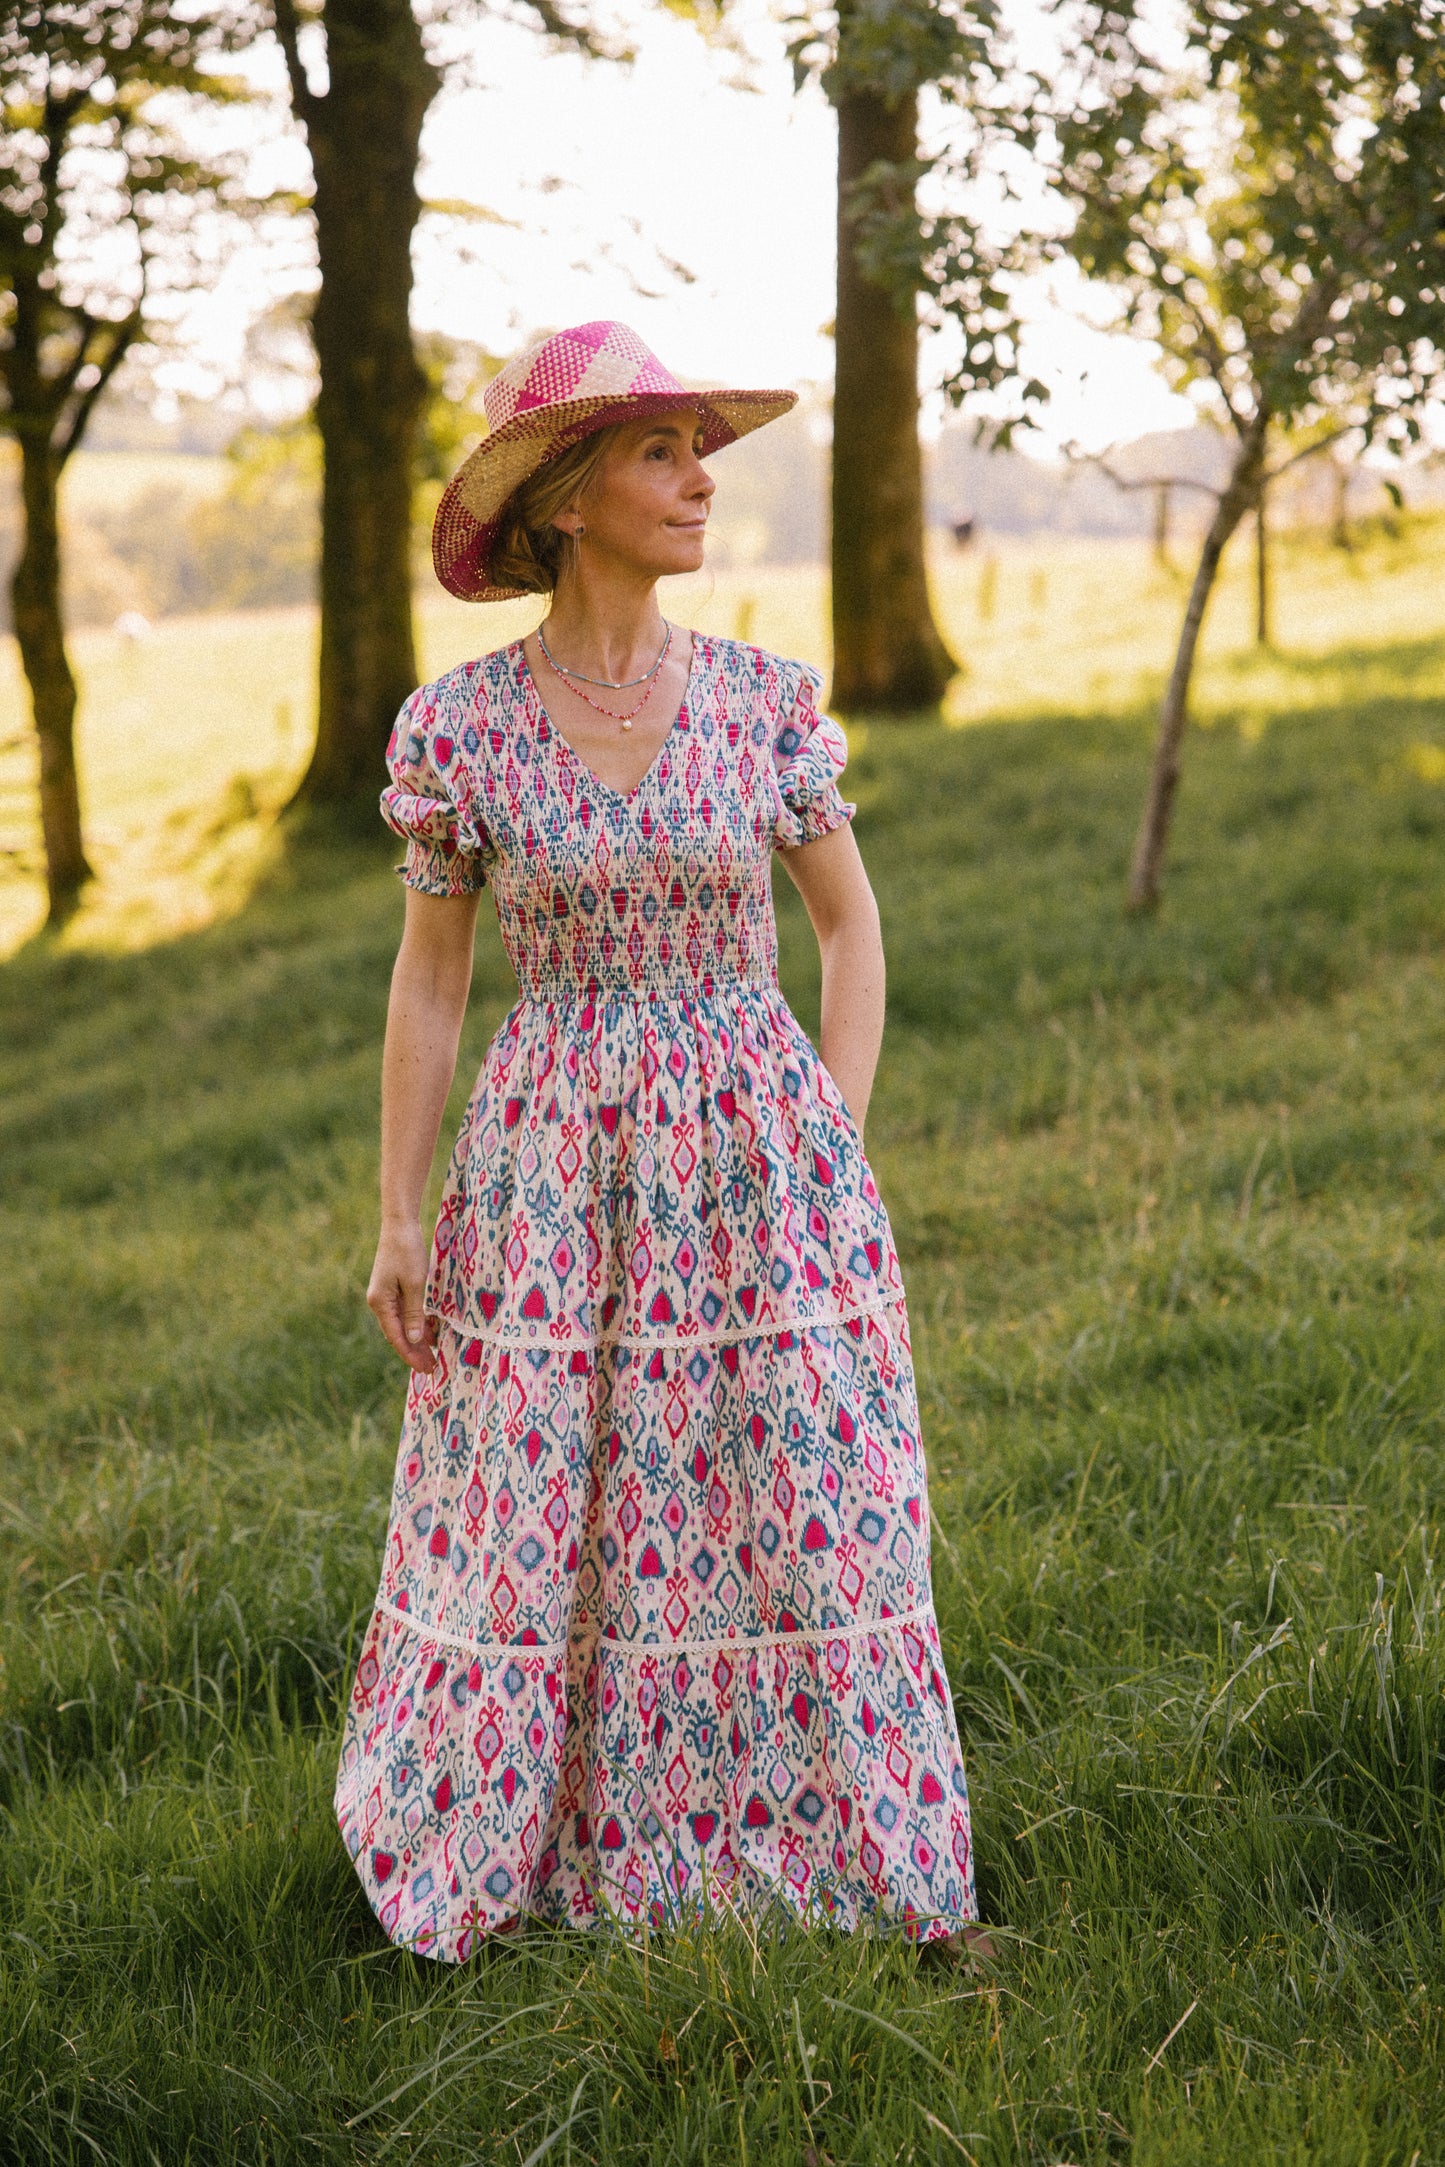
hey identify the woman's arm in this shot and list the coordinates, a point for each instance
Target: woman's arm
(429, 988)
(830, 878)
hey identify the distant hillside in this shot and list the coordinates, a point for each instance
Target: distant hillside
(772, 488)
(1014, 493)
(154, 526)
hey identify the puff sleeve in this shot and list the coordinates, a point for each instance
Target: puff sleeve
(430, 800)
(809, 754)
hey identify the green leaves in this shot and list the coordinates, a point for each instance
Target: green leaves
(93, 97)
(939, 263)
(1268, 203)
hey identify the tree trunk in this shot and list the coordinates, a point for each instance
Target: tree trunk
(1263, 586)
(364, 135)
(40, 636)
(1149, 846)
(1341, 532)
(888, 656)
(1162, 494)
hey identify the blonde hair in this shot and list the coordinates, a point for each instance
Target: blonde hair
(528, 551)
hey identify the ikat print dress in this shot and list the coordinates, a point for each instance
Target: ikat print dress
(654, 1638)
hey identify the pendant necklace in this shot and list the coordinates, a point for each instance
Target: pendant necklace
(575, 679)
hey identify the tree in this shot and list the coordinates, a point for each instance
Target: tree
(363, 131)
(898, 268)
(1269, 209)
(93, 178)
(887, 650)
(1263, 570)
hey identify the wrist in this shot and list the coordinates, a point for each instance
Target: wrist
(400, 1221)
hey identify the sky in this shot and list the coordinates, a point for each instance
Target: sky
(690, 193)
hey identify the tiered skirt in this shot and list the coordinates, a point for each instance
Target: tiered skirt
(655, 1635)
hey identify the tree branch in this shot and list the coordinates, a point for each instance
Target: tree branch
(579, 36)
(62, 382)
(124, 335)
(1215, 357)
(55, 132)
(1324, 443)
(306, 103)
(1151, 481)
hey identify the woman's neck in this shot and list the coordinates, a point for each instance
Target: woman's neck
(608, 631)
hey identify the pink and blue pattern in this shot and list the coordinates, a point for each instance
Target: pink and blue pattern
(655, 1628)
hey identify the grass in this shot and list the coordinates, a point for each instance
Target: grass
(1170, 1199)
(189, 742)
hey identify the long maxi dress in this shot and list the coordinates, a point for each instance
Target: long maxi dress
(654, 1637)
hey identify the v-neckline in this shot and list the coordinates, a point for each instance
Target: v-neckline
(552, 731)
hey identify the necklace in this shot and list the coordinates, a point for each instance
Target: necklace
(608, 684)
(649, 680)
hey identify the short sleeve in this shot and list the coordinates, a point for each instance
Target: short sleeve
(429, 801)
(810, 752)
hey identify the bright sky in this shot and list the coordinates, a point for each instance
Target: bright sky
(609, 178)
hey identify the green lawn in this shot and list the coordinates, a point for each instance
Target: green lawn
(1170, 1197)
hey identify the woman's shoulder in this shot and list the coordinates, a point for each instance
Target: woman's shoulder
(469, 686)
(776, 681)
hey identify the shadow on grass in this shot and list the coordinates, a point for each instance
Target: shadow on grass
(187, 1138)
(1010, 836)
(235, 1054)
(191, 1128)
(1199, 1824)
(1000, 852)
(1394, 667)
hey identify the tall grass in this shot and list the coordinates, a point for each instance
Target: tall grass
(1170, 1198)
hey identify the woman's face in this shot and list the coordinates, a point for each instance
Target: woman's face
(646, 506)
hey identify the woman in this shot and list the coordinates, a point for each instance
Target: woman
(654, 1637)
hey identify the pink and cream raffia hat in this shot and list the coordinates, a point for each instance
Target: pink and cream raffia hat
(559, 391)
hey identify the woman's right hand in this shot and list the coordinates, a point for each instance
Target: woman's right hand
(395, 1293)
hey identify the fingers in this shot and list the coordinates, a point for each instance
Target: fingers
(413, 1317)
(397, 1307)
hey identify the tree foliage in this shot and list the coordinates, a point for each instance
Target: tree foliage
(99, 190)
(1271, 208)
(100, 194)
(1268, 202)
(915, 221)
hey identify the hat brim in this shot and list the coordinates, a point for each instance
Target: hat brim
(468, 517)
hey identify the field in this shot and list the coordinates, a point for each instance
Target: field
(1170, 1197)
(189, 741)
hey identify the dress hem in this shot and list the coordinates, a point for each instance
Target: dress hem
(917, 1930)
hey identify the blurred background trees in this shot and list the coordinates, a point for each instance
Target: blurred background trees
(93, 168)
(898, 270)
(1262, 200)
(361, 83)
(1267, 204)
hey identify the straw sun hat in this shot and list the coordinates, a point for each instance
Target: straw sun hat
(560, 390)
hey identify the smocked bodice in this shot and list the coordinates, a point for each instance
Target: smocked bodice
(663, 891)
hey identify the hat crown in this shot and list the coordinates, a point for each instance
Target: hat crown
(555, 394)
(588, 361)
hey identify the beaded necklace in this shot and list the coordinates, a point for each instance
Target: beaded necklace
(609, 684)
(568, 678)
